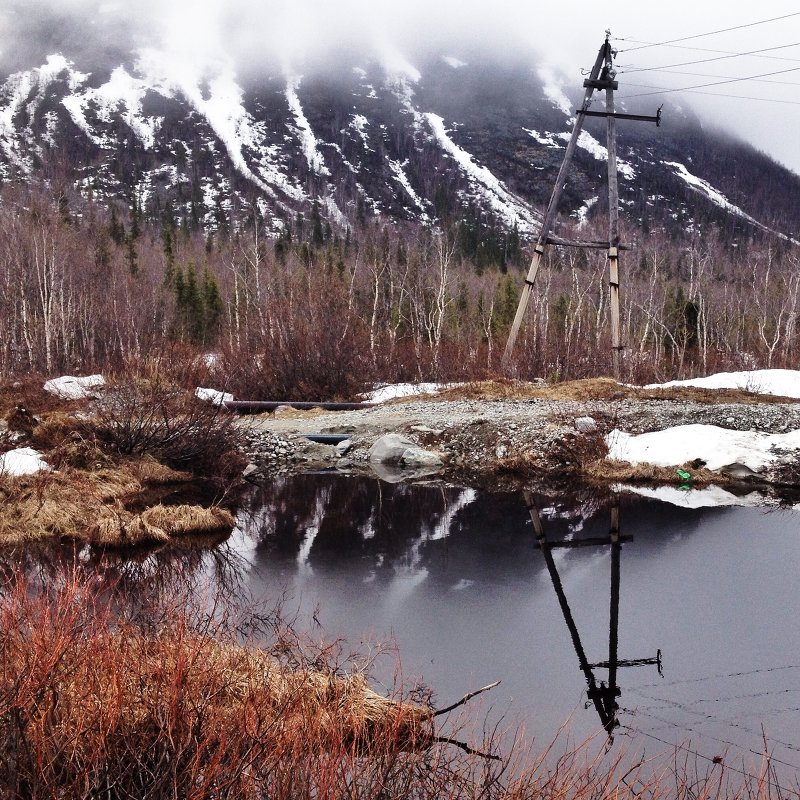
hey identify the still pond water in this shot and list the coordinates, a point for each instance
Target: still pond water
(458, 581)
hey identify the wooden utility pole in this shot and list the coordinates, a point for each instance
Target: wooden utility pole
(601, 77)
(613, 218)
(552, 207)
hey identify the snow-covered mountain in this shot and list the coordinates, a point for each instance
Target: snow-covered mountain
(411, 142)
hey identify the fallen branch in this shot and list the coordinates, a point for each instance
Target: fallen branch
(465, 699)
(466, 748)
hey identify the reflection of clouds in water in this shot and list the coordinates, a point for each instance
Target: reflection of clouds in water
(464, 583)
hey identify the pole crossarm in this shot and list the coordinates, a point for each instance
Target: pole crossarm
(618, 115)
(561, 242)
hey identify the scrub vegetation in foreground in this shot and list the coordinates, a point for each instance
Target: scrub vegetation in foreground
(100, 700)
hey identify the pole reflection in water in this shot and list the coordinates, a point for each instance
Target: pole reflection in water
(603, 695)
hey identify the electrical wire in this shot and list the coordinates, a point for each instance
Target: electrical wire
(723, 52)
(687, 749)
(722, 82)
(714, 677)
(716, 58)
(707, 94)
(701, 35)
(711, 75)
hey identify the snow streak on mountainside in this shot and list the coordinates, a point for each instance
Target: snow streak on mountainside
(507, 207)
(719, 199)
(446, 137)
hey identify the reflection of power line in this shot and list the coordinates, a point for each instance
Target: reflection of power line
(712, 760)
(702, 700)
(714, 677)
(670, 725)
(603, 696)
(704, 718)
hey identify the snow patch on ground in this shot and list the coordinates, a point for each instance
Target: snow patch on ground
(69, 387)
(708, 497)
(714, 445)
(123, 89)
(388, 392)
(22, 461)
(359, 125)
(780, 382)
(503, 202)
(307, 138)
(707, 190)
(219, 100)
(588, 143)
(583, 212)
(213, 396)
(547, 139)
(24, 92)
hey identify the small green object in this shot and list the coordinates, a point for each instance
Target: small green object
(683, 474)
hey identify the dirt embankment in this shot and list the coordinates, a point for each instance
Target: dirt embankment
(500, 433)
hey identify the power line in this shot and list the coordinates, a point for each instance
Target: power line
(664, 90)
(710, 75)
(735, 80)
(708, 94)
(709, 33)
(723, 52)
(716, 58)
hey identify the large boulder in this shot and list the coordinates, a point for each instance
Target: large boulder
(396, 450)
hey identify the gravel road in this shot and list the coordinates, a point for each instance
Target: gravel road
(476, 437)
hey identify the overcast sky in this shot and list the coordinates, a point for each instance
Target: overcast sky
(566, 35)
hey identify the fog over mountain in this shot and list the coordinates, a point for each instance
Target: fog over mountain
(300, 36)
(349, 110)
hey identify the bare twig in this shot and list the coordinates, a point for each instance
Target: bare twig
(465, 699)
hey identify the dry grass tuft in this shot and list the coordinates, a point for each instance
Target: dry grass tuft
(149, 472)
(609, 470)
(186, 520)
(92, 507)
(596, 389)
(125, 530)
(287, 412)
(29, 391)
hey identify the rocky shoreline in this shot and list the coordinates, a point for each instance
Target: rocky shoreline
(482, 442)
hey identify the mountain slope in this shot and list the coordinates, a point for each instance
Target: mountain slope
(415, 144)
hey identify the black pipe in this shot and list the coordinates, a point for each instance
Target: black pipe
(260, 406)
(326, 438)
